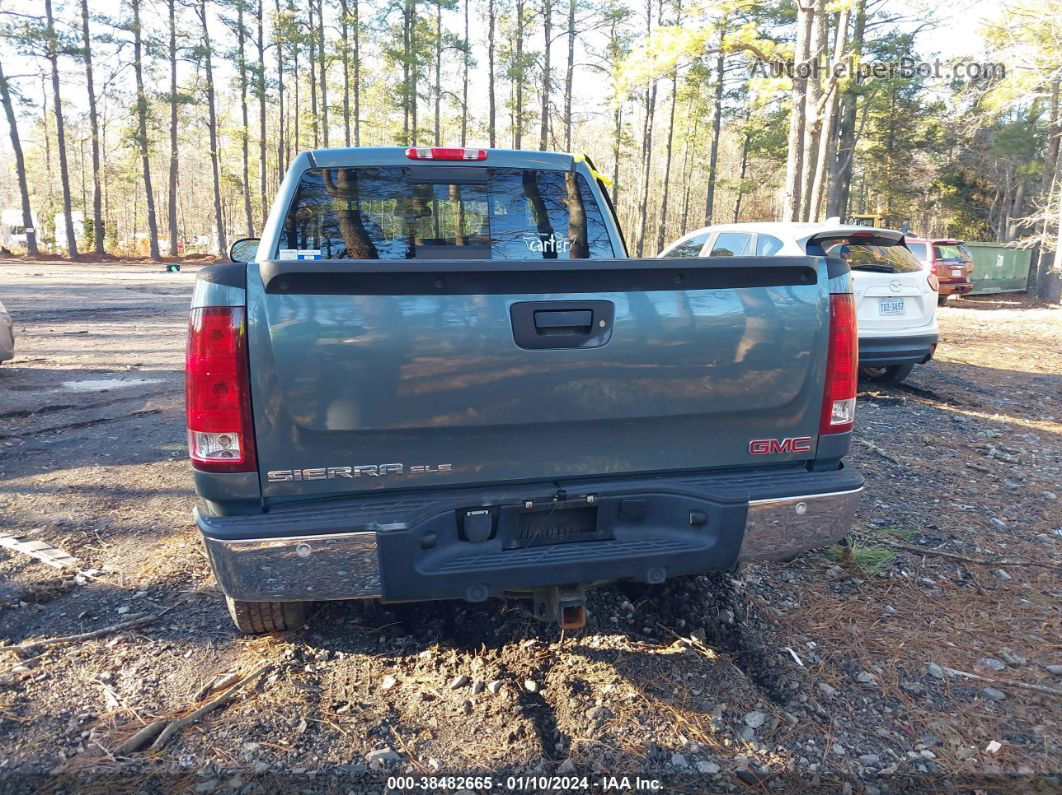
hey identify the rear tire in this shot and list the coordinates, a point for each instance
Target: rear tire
(256, 618)
(892, 374)
(942, 300)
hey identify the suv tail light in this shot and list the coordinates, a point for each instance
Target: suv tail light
(217, 391)
(842, 363)
(444, 153)
(934, 283)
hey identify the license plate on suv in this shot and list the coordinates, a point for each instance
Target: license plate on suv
(957, 273)
(890, 306)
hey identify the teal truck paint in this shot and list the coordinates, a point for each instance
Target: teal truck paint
(456, 384)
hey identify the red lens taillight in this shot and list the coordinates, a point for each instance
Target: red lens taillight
(217, 391)
(934, 283)
(444, 153)
(842, 362)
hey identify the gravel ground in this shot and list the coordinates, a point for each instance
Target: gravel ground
(836, 671)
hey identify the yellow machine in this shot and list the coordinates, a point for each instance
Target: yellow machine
(867, 219)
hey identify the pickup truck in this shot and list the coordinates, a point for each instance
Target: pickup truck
(438, 375)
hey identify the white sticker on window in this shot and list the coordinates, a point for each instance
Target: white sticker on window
(309, 253)
(288, 253)
(551, 244)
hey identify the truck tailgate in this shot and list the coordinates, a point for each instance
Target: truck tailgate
(389, 375)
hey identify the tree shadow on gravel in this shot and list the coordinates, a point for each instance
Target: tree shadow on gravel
(634, 631)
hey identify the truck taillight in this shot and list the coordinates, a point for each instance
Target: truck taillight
(217, 391)
(842, 363)
(445, 153)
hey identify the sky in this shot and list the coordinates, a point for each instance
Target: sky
(955, 34)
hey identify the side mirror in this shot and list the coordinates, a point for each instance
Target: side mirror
(244, 250)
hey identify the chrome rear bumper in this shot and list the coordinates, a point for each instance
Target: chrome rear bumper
(328, 566)
(780, 528)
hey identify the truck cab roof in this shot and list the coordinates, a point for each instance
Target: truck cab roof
(396, 156)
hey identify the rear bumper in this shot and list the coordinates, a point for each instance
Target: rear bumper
(410, 548)
(885, 351)
(955, 288)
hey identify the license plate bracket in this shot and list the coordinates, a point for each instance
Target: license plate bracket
(550, 525)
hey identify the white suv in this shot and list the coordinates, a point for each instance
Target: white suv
(896, 301)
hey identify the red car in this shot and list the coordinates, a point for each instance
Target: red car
(950, 260)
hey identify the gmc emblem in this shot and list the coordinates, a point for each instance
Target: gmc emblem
(798, 444)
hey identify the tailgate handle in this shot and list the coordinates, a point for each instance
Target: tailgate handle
(577, 321)
(562, 324)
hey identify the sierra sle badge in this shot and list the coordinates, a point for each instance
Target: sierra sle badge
(368, 470)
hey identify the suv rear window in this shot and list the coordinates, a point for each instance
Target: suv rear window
(951, 251)
(866, 253)
(438, 212)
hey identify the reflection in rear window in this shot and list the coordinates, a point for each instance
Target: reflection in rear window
(873, 254)
(394, 212)
(951, 251)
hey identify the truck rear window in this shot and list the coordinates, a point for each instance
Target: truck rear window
(439, 212)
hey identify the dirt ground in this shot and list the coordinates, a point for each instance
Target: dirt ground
(838, 671)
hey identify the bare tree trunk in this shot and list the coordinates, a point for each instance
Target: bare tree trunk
(547, 76)
(647, 143)
(617, 148)
(825, 155)
(219, 221)
(315, 118)
(741, 174)
(813, 129)
(171, 192)
(297, 112)
(661, 231)
(717, 126)
(687, 172)
(413, 98)
(1004, 206)
(1039, 260)
(839, 180)
(794, 166)
(517, 78)
(1017, 210)
(142, 139)
(569, 76)
(344, 32)
(261, 91)
(438, 72)
(492, 109)
(467, 56)
(60, 135)
(282, 132)
(94, 124)
(323, 57)
(20, 166)
(406, 56)
(245, 132)
(357, 73)
(1051, 285)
